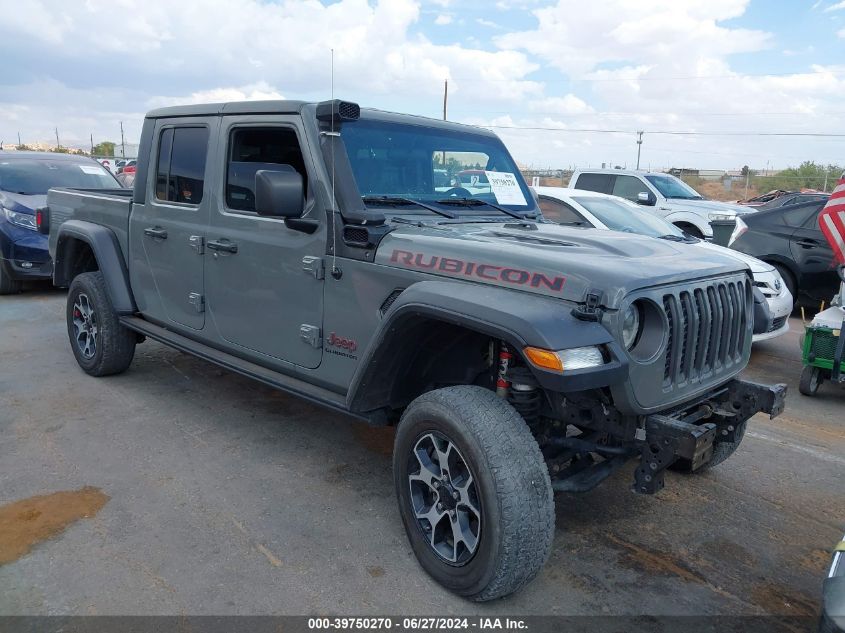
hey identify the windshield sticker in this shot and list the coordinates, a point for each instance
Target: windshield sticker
(505, 187)
(92, 169)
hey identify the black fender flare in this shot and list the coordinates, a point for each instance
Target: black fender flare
(520, 319)
(110, 261)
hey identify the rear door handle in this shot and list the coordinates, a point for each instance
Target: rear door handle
(223, 245)
(807, 243)
(156, 232)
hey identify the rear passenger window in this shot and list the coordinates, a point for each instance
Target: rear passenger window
(800, 215)
(628, 187)
(603, 183)
(181, 164)
(255, 149)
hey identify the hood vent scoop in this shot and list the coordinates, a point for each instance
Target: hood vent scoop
(530, 239)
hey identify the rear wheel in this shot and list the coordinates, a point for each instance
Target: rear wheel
(101, 345)
(474, 492)
(811, 380)
(8, 286)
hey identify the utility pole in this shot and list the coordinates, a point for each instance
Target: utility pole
(445, 96)
(19, 139)
(639, 147)
(825, 182)
(92, 143)
(747, 174)
(122, 144)
(58, 143)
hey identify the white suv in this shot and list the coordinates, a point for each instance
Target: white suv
(665, 195)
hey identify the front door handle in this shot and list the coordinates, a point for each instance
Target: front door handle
(156, 232)
(223, 245)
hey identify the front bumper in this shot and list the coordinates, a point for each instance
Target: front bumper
(690, 435)
(780, 306)
(24, 269)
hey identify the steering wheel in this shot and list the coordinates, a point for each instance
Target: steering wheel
(458, 191)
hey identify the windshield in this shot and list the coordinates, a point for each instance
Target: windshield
(430, 165)
(672, 187)
(34, 176)
(620, 215)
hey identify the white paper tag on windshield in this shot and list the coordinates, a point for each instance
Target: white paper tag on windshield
(505, 187)
(92, 169)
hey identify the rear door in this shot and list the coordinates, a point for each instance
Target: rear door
(603, 183)
(265, 288)
(166, 232)
(814, 257)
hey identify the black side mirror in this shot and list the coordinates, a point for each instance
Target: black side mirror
(646, 198)
(279, 194)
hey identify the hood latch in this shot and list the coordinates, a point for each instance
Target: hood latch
(590, 310)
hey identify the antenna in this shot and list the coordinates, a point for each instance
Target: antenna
(335, 271)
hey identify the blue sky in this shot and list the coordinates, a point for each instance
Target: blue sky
(566, 65)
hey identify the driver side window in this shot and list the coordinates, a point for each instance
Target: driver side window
(252, 149)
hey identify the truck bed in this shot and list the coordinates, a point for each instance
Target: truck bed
(107, 207)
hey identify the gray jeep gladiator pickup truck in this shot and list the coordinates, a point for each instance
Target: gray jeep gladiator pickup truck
(313, 247)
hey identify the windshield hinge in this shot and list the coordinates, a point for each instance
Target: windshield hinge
(311, 334)
(314, 265)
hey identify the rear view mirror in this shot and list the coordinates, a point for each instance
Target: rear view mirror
(644, 197)
(279, 193)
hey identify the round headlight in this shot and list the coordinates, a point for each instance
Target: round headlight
(631, 326)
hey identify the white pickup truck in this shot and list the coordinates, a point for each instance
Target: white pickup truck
(666, 195)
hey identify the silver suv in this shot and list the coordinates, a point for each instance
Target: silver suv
(668, 196)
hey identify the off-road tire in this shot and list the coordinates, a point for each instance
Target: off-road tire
(721, 451)
(512, 483)
(115, 344)
(8, 286)
(811, 380)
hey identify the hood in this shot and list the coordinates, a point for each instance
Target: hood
(709, 206)
(559, 261)
(22, 203)
(757, 266)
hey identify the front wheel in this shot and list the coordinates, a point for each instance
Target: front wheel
(811, 380)
(8, 286)
(101, 345)
(474, 492)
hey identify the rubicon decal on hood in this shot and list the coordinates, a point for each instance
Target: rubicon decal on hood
(492, 272)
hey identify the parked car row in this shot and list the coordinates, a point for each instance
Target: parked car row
(25, 178)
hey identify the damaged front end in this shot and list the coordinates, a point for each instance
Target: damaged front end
(586, 439)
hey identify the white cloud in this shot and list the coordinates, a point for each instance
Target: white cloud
(488, 23)
(443, 19)
(255, 92)
(840, 33)
(836, 7)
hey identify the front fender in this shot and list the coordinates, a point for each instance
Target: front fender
(103, 243)
(520, 319)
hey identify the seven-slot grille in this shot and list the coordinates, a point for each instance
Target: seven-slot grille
(708, 328)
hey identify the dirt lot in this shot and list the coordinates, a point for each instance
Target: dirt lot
(190, 490)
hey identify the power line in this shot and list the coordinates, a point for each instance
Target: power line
(664, 132)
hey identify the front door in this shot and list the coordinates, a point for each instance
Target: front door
(167, 231)
(264, 280)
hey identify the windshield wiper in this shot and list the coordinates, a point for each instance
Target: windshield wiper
(474, 202)
(394, 201)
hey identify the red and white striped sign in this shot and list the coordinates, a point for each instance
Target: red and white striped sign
(832, 220)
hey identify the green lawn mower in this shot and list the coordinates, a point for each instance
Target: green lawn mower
(824, 345)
